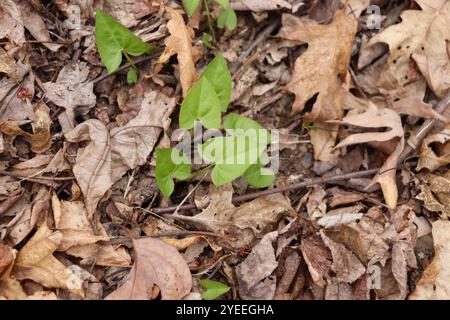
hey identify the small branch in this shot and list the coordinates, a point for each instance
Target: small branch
(18, 175)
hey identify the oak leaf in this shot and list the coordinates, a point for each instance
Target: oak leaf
(259, 5)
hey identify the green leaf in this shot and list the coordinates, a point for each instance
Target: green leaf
(219, 76)
(207, 40)
(214, 289)
(223, 3)
(201, 103)
(132, 76)
(232, 156)
(259, 177)
(112, 39)
(191, 6)
(170, 163)
(237, 122)
(228, 19)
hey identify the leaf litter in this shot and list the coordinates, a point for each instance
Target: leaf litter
(357, 210)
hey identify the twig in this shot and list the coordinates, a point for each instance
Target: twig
(18, 175)
(168, 234)
(126, 66)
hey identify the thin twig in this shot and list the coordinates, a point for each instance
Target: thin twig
(18, 175)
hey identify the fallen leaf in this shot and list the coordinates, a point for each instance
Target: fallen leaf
(345, 264)
(253, 274)
(414, 106)
(8, 65)
(248, 221)
(435, 280)
(11, 26)
(340, 216)
(128, 13)
(430, 158)
(156, 263)
(7, 256)
(180, 43)
(317, 258)
(435, 194)
(41, 138)
(110, 154)
(35, 261)
(70, 91)
(259, 5)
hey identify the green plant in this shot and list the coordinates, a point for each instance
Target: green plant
(241, 153)
(227, 17)
(114, 40)
(213, 289)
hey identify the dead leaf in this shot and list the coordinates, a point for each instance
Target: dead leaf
(156, 263)
(180, 43)
(11, 25)
(41, 138)
(253, 274)
(128, 13)
(435, 280)
(414, 106)
(71, 91)
(7, 256)
(345, 264)
(341, 216)
(433, 159)
(249, 221)
(35, 261)
(259, 5)
(318, 259)
(435, 196)
(110, 154)
(8, 65)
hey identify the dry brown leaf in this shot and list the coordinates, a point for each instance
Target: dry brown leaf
(41, 138)
(341, 216)
(414, 106)
(333, 45)
(78, 235)
(253, 274)
(436, 195)
(249, 221)
(346, 265)
(156, 263)
(128, 13)
(7, 256)
(318, 259)
(435, 280)
(110, 154)
(421, 35)
(433, 159)
(8, 65)
(180, 43)
(35, 261)
(11, 26)
(70, 91)
(259, 5)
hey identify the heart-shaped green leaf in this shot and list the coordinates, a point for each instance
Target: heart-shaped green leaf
(112, 39)
(170, 163)
(223, 3)
(201, 104)
(219, 76)
(213, 289)
(228, 19)
(191, 6)
(259, 177)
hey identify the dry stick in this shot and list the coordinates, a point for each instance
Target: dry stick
(412, 145)
(126, 66)
(18, 175)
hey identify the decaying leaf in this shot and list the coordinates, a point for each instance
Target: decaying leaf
(248, 221)
(156, 263)
(333, 43)
(259, 5)
(70, 91)
(110, 154)
(430, 158)
(435, 194)
(414, 106)
(180, 43)
(434, 283)
(40, 138)
(7, 256)
(318, 259)
(35, 261)
(253, 274)
(11, 26)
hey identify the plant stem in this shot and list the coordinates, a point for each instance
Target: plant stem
(130, 61)
(208, 13)
(199, 172)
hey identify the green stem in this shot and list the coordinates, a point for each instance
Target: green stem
(130, 61)
(199, 172)
(208, 13)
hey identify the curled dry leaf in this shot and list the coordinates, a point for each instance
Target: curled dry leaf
(156, 263)
(333, 43)
(259, 5)
(248, 221)
(41, 138)
(414, 106)
(253, 274)
(430, 158)
(346, 265)
(435, 281)
(340, 216)
(317, 258)
(70, 91)
(79, 239)
(436, 194)
(35, 261)
(180, 43)
(110, 154)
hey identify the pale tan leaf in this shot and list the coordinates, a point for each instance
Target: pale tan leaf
(318, 259)
(414, 106)
(7, 256)
(259, 5)
(11, 25)
(110, 154)
(35, 261)
(433, 159)
(156, 263)
(435, 281)
(180, 43)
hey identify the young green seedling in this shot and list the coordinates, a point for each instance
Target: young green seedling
(170, 163)
(114, 40)
(213, 289)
